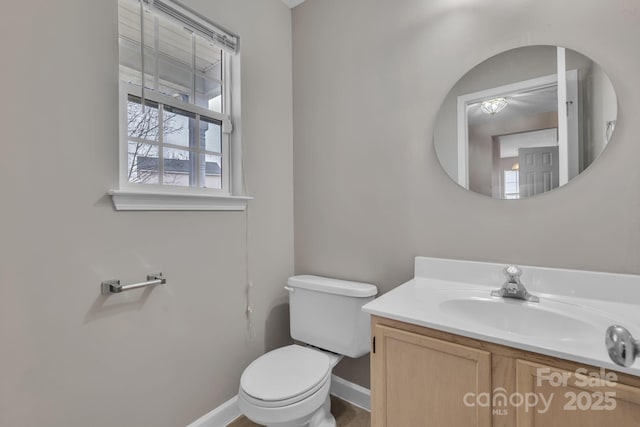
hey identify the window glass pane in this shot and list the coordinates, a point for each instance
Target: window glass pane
(130, 40)
(178, 167)
(179, 127)
(129, 60)
(175, 79)
(142, 163)
(208, 75)
(175, 60)
(215, 104)
(213, 172)
(175, 91)
(129, 19)
(142, 123)
(511, 184)
(134, 77)
(208, 59)
(175, 42)
(206, 91)
(210, 135)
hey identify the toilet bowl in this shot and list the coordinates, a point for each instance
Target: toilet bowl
(289, 386)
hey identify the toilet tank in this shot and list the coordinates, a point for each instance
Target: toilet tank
(327, 313)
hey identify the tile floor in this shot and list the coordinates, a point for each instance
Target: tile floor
(346, 415)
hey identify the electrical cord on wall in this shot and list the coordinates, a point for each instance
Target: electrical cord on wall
(249, 310)
(249, 283)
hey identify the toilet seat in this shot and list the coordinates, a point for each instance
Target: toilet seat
(285, 376)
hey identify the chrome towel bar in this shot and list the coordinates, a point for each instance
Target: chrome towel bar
(114, 287)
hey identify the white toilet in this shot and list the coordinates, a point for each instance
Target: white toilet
(289, 386)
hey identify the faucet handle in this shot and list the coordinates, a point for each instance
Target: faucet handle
(622, 347)
(513, 273)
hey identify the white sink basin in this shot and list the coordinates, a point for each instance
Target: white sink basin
(545, 319)
(570, 321)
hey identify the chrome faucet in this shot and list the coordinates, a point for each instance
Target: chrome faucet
(512, 287)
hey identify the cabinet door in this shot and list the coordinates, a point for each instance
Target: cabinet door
(574, 399)
(419, 381)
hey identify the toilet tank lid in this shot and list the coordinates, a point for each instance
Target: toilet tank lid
(333, 286)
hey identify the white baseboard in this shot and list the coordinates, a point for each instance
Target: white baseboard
(350, 392)
(220, 416)
(229, 411)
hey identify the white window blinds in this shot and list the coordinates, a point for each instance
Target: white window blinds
(196, 23)
(173, 51)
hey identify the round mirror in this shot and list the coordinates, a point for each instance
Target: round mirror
(510, 128)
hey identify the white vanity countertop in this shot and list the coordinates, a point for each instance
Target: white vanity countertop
(568, 323)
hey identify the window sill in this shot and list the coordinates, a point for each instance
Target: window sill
(126, 200)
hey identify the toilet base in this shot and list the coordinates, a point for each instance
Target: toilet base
(322, 417)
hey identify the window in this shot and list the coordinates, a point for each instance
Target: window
(175, 99)
(511, 184)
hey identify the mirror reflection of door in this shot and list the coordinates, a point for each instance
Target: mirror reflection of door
(539, 170)
(525, 163)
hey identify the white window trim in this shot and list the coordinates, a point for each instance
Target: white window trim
(131, 200)
(149, 197)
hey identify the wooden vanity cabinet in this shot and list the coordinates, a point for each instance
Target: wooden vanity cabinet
(582, 402)
(422, 377)
(419, 378)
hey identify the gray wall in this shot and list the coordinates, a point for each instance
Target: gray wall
(369, 77)
(70, 357)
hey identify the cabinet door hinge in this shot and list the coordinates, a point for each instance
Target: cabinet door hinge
(373, 344)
